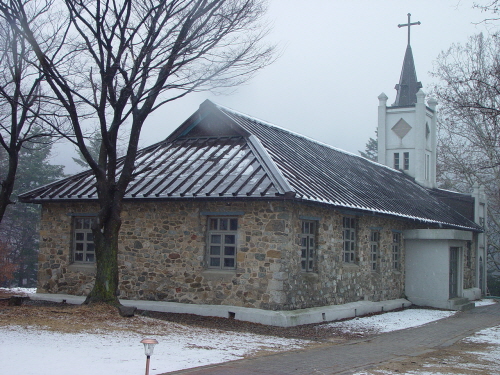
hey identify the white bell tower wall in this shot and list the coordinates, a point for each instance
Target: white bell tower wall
(407, 138)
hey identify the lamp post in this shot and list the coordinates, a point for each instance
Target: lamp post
(149, 345)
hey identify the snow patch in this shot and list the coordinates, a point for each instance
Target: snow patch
(391, 321)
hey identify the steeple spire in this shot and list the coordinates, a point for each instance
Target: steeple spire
(408, 84)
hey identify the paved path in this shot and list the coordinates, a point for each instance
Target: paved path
(347, 358)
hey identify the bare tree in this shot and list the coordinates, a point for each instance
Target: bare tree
(120, 61)
(23, 106)
(469, 128)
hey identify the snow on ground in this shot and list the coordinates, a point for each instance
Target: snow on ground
(484, 302)
(391, 321)
(24, 349)
(485, 359)
(30, 350)
(490, 336)
(20, 290)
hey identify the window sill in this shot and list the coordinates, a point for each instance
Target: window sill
(215, 274)
(309, 275)
(350, 265)
(82, 267)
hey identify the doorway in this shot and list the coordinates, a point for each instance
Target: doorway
(454, 271)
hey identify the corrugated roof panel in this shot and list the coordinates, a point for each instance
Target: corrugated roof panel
(264, 161)
(321, 173)
(188, 167)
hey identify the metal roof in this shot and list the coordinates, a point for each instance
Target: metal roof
(221, 153)
(197, 167)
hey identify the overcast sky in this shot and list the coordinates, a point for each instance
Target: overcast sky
(337, 57)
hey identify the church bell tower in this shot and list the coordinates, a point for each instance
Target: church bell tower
(407, 128)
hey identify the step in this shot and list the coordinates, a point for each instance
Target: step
(461, 304)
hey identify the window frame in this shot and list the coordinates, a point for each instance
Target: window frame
(349, 249)
(374, 250)
(84, 241)
(406, 161)
(308, 245)
(225, 237)
(396, 251)
(396, 161)
(427, 167)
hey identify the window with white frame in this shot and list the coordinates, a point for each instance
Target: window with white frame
(349, 238)
(427, 167)
(396, 250)
(308, 245)
(396, 160)
(83, 240)
(374, 249)
(406, 161)
(222, 237)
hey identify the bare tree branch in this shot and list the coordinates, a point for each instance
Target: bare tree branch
(469, 127)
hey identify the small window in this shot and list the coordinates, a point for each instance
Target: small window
(349, 238)
(83, 239)
(222, 242)
(374, 249)
(396, 250)
(427, 167)
(308, 245)
(406, 161)
(396, 160)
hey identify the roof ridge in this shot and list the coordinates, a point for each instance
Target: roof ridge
(269, 124)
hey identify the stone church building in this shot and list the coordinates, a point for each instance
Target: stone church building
(236, 217)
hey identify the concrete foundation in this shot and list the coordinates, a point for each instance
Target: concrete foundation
(267, 317)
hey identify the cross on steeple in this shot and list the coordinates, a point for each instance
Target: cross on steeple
(409, 24)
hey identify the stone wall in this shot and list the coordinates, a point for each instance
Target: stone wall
(162, 256)
(470, 264)
(56, 273)
(334, 281)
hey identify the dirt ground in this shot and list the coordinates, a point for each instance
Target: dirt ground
(463, 358)
(76, 318)
(460, 358)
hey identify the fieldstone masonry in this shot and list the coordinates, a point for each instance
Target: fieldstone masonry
(163, 245)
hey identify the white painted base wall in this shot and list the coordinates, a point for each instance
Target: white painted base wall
(267, 317)
(472, 294)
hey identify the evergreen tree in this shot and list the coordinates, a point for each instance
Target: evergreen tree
(19, 228)
(94, 145)
(371, 148)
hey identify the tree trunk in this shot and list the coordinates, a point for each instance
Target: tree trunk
(7, 185)
(106, 251)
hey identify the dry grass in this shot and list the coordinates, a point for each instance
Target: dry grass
(78, 318)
